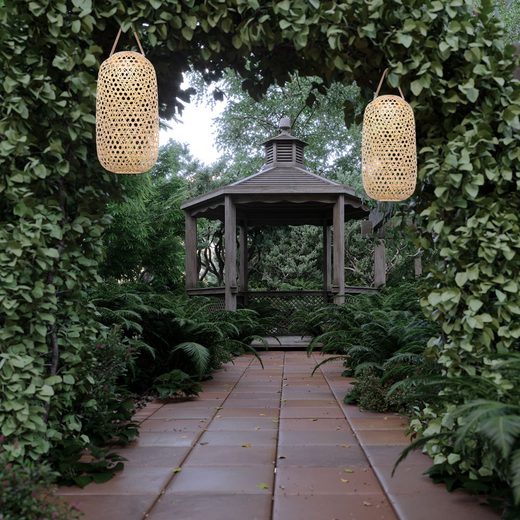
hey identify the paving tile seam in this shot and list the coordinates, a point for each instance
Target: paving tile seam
(149, 511)
(365, 452)
(277, 445)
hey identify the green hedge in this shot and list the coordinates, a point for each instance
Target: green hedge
(449, 58)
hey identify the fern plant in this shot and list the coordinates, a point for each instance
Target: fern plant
(490, 423)
(381, 338)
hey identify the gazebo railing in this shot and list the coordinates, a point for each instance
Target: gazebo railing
(280, 307)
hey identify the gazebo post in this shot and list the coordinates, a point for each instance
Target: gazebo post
(379, 263)
(338, 223)
(190, 246)
(243, 273)
(230, 243)
(327, 259)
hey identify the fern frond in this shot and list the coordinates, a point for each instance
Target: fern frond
(198, 354)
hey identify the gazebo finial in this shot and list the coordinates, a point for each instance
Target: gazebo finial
(285, 124)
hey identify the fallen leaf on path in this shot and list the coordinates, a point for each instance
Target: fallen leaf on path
(262, 485)
(348, 470)
(344, 480)
(246, 445)
(177, 470)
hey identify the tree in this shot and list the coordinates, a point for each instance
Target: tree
(144, 241)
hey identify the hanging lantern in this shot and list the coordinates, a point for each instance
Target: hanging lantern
(127, 112)
(388, 149)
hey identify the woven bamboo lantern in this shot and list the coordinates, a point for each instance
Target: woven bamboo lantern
(388, 150)
(127, 112)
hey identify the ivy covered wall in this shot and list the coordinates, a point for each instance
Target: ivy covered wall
(448, 57)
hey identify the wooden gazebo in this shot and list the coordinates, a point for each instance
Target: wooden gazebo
(283, 192)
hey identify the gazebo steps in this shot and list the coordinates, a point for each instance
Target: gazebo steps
(284, 343)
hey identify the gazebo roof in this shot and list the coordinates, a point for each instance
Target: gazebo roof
(283, 192)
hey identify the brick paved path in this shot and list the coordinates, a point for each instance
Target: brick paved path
(272, 444)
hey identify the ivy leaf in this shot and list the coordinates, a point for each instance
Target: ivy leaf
(404, 39)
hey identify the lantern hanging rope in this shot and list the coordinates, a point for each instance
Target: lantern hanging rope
(127, 112)
(388, 149)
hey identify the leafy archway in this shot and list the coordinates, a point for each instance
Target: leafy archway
(447, 56)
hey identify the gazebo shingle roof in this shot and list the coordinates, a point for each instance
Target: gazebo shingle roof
(284, 191)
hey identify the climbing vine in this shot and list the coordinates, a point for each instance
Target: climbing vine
(451, 61)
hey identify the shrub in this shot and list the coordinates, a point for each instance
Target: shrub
(488, 424)
(27, 493)
(176, 384)
(382, 339)
(105, 410)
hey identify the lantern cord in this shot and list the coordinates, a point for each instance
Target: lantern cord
(117, 39)
(376, 93)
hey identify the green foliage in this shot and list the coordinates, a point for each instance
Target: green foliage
(143, 241)
(488, 423)
(317, 113)
(450, 59)
(27, 493)
(371, 392)
(174, 384)
(197, 353)
(174, 332)
(382, 338)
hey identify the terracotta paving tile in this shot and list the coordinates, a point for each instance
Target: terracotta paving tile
(432, 506)
(308, 402)
(342, 507)
(314, 425)
(213, 507)
(196, 412)
(210, 396)
(306, 394)
(112, 507)
(223, 479)
(354, 412)
(271, 402)
(314, 385)
(146, 439)
(326, 481)
(387, 456)
(383, 437)
(243, 424)
(226, 438)
(407, 480)
(131, 481)
(226, 441)
(320, 455)
(312, 412)
(228, 411)
(173, 425)
(243, 455)
(153, 456)
(385, 422)
(311, 438)
(236, 394)
(194, 404)
(253, 388)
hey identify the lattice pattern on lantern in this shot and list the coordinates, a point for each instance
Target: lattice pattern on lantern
(127, 114)
(388, 151)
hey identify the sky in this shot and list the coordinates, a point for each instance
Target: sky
(195, 128)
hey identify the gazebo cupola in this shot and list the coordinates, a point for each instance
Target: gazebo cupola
(284, 192)
(284, 149)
